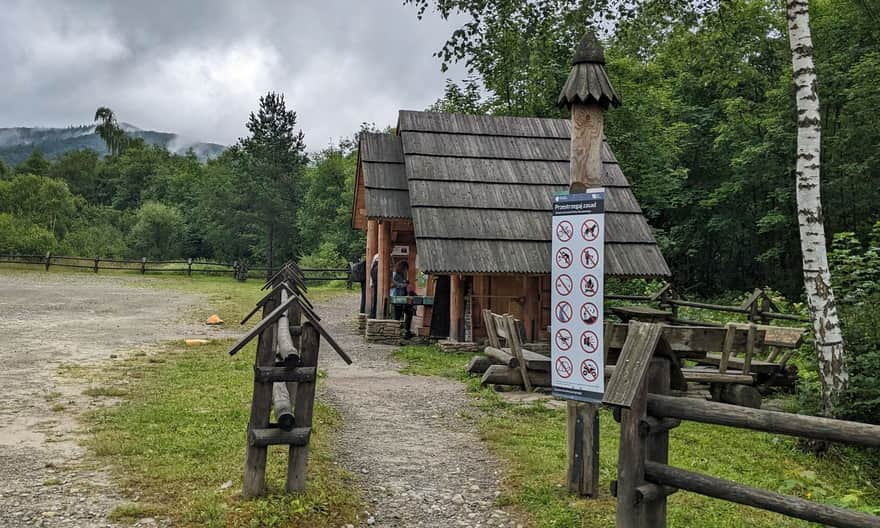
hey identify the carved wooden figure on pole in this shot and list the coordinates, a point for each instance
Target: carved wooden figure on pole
(587, 93)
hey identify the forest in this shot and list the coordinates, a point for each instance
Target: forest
(706, 135)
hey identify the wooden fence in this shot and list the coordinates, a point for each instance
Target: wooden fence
(188, 266)
(758, 307)
(639, 395)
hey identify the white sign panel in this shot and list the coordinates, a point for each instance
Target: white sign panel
(578, 281)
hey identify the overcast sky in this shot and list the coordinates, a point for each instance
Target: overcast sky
(197, 67)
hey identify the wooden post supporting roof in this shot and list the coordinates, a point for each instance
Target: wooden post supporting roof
(383, 283)
(531, 310)
(456, 307)
(587, 93)
(372, 248)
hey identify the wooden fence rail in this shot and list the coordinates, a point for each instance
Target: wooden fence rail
(144, 266)
(639, 394)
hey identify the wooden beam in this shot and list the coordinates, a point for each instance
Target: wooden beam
(372, 249)
(384, 269)
(757, 498)
(456, 307)
(768, 421)
(587, 131)
(531, 309)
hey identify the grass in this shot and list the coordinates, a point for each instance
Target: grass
(531, 440)
(176, 440)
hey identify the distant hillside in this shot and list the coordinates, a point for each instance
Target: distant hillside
(16, 144)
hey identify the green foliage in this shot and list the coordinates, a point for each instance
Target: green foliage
(857, 285)
(38, 200)
(102, 240)
(18, 236)
(158, 231)
(35, 164)
(4, 170)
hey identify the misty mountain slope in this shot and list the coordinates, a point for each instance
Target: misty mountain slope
(17, 143)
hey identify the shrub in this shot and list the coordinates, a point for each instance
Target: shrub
(18, 236)
(158, 232)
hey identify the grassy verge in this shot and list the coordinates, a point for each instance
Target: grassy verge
(531, 440)
(178, 440)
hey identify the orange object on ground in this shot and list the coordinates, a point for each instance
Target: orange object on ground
(215, 320)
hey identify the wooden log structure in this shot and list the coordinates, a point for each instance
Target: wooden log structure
(776, 422)
(796, 507)
(456, 307)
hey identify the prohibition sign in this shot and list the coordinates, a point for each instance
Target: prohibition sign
(564, 367)
(589, 285)
(563, 257)
(564, 231)
(589, 313)
(589, 342)
(563, 339)
(590, 230)
(589, 370)
(563, 312)
(589, 257)
(564, 284)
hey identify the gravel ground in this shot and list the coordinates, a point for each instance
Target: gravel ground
(47, 320)
(419, 462)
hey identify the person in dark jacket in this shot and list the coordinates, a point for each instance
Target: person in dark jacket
(400, 288)
(374, 283)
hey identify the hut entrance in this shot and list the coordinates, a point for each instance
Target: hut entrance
(440, 313)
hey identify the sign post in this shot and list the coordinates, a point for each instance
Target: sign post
(577, 296)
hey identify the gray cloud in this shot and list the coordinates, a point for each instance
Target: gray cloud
(198, 67)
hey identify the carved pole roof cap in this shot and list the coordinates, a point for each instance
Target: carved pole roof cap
(589, 50)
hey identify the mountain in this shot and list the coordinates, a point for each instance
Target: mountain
(17, 143)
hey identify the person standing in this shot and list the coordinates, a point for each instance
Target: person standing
(400, 288)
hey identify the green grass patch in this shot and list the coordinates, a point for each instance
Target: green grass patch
(179, 437)
(105, 392)
(132, 511)
(531, 439)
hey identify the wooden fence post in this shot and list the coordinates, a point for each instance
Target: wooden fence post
(631, 461)
(582, 442)
(97, 259)
(189, 267)
(255, 456)
(297, 462)
(657, 448)
(143, 265)
(48, 259)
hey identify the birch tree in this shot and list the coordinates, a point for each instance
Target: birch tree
(817, 277)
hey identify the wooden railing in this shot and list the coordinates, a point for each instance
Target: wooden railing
(757, 307)
(639, 395)
(188, 266)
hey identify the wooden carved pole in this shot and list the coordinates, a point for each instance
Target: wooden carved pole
(372, 248)
(384, 278)
(587, 93)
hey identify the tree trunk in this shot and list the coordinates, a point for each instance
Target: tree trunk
(817, 277)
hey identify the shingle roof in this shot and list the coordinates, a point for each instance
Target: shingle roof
(385, 187)
(480, 190)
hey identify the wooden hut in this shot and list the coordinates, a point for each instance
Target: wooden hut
(479, 197)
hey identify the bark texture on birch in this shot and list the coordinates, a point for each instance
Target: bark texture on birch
(817, 277)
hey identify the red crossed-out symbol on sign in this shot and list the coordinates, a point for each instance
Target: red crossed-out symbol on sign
(564, 367)
(564, 284)
(564, 231)
(589, 313)
(563, 257)
(563, 339)
(590, 230)
(589, 370)
(589, 342)
(589, 285)
(563, 312)
(589, 257)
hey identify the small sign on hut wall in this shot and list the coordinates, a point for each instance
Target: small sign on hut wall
(578, 371)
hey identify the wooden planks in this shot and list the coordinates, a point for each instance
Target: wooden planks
(641, 341)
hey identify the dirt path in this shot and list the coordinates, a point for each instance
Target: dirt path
(419, 462)
(48, 320)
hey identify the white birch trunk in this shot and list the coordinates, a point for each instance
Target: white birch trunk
(817, 277)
